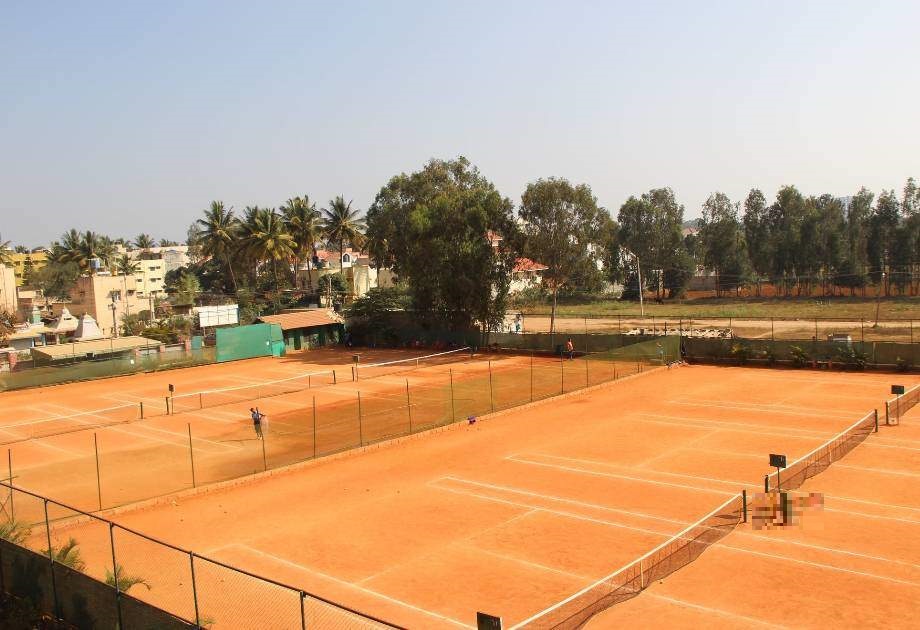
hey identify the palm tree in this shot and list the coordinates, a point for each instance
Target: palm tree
(264, 238)
(122, 581)
(342, 225)
(16, 532)
(302, 222)
(144, 242)
(218, 234)
(5, 253)
(69, 555)
(126, 266)
(20, 249)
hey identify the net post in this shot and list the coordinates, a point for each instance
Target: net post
(314, 427)
(309, 378)
(887, 415)
(491, 396)
(642, 574)
(167, 405)
(766, 484)
(141, 403)
(453, 410)
(115, 573)
(409, 405)
(334, 381)
(57, 605)
(191, 454)
(744, 510)
(875, 411)
(191, 563)
(200, 401)
(360, 423)
(98, 476)
(352, 374)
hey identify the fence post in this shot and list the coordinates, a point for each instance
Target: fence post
(303, 616)
(531, 376)
(264, 458)
(453, 411)
(334, 381)
(98, 476)
(876, 420)
(772, 337)
(409, 405)
(491, 396)
(191, 454)
(619, 331)
(816, 329)
(167, 405)
(912, 331)
(9, 459)
(141, 403)
(562, 371)
(314, 427)
(191, 562)
(862, 330)
(57, 606)
(360, 423)
(200, 401)
(744, 503)
(115, 573)
(587, 376)
(766, 484)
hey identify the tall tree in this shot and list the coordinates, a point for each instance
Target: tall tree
(562, 228)
(650, 227)
(883, 224)
(757, 235)
(341, 225)
(217, 236)
(5, 252)
(823, 239)
(302, 221)
(144, 242)
(265, 240)
(785, 216)
(452, 240)
(723, 242)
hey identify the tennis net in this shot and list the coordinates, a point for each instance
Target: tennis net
(815, 462)
(899, 405)
(292, 384)
(666, 558)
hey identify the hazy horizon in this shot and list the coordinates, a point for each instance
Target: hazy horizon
(129, 119)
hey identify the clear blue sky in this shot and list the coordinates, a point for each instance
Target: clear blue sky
(129, 117)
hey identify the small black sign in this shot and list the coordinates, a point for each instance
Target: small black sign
(172, 388)
(897, 390)
(488, 622)
(777, 461)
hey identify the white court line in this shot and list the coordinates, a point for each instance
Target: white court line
(342, 582)
(748, 484)
(672, 451)
(678, 522)
(717, 405)
(120, 429)
(881, 471)
(615, 476)
(535, 565)
(713, 611)
(778, 405)
(706, 423)
(550, 497)
(821, 565)
(572, 515)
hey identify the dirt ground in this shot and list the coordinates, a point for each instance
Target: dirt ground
(514, 514)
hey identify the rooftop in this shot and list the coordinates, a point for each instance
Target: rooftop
(303, 319)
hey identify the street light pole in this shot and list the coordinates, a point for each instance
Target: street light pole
(878, 298)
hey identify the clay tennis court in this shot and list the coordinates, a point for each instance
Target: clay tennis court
(516, 513)
(209, 436)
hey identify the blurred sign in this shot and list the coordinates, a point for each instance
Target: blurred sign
(777, 461)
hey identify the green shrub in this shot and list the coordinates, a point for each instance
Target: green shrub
(852, 358)
(800, 357)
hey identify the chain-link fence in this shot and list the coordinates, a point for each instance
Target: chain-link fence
(99, 469)
(94, 573)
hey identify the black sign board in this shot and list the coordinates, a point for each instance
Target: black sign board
(897, 390)
(488, 622)
(777, 461)
(172, 388)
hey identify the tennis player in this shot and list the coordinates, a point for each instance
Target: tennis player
(257, 421)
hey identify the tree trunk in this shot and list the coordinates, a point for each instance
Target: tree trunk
(232, 275)
(552, 317)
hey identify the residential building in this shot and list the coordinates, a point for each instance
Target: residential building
(107, 299)
(150, 278)
(21, 262)
(8, 299)
(308, 328)
(526, 274)
(173, 256)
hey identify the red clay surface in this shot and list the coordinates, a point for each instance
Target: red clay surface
(515, 513)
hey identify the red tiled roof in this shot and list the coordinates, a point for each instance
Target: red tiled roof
(303, 319)
(526, 264)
